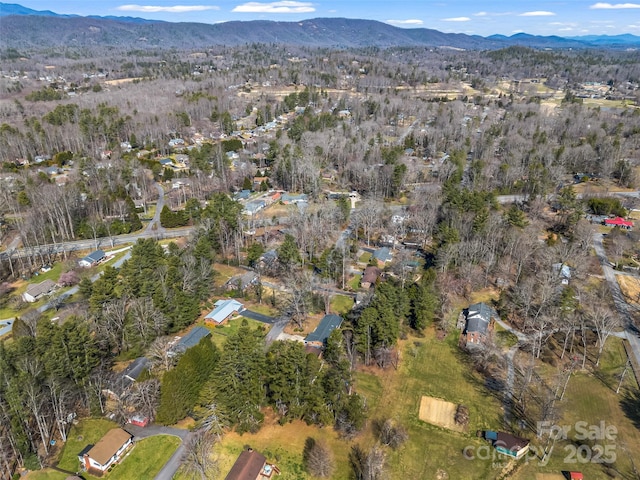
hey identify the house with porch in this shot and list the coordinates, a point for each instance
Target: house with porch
(93, 259)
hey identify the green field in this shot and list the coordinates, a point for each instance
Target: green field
(146, 458)
(341, 304)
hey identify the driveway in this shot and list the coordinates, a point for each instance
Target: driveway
(173, 464)
(258, 317)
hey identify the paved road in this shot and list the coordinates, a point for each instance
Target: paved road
(156, 216)
(258, 316)
(91, 244)
(619, 300)
(173, 464)
(6, 325)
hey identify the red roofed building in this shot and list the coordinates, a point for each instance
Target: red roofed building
(618, 222)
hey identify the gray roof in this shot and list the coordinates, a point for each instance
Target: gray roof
(383, 254)
(135, 368)
(133, 371)
(479, 316)
(192, 338)
(327, 325)
(41, 288)
(94, 256)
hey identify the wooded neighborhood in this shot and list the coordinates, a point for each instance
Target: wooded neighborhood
(285, 261)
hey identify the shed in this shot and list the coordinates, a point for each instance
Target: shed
(327, 325)
(575, 476)
(224, 310)
(508, 444)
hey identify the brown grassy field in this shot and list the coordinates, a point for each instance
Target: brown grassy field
(439, 413)
(630, 287)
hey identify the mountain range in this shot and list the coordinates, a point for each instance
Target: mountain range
(24, 28)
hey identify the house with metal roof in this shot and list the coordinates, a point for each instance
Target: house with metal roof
(191, 339)
(92, 259)
(225, 309)
(319, 336)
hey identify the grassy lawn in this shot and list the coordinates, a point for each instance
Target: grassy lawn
(283, 446)
(341, 304)
(591, 398)
(86, 432)
(220, 333)
(354, 283)
(365, 257)
(146, 458)
(46, 474)
(436, 368)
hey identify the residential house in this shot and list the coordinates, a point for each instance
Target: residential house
(563, 272)
(273, 197)
(36, 291)
(319, 336)
(96, 459)
(478, 321)
(508, 444)
(191, 339)
(92, 259)
(251, 465)
(242, 195)
(253, 207)
(619, 222)
(225, 309)
(130, 374)
(382, 256)
(369, 276)
(166, 162)
(242, 282)
(293, 198)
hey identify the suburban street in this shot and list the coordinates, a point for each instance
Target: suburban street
(630, 332)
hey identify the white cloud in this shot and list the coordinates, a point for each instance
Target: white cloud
(635, 27)
(456, 19)
(169, 9)
(480, 14)
(285, 6)
(411, 21)
(537, 13)
(613, 6)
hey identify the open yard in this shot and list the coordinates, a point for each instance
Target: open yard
(143, 461)
(439, 413)
(341, 304)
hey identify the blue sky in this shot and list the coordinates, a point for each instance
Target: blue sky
(481, 17)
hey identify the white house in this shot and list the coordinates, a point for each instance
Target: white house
(92, 259)
(106, 452)
(38, 290)
(224, 310)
